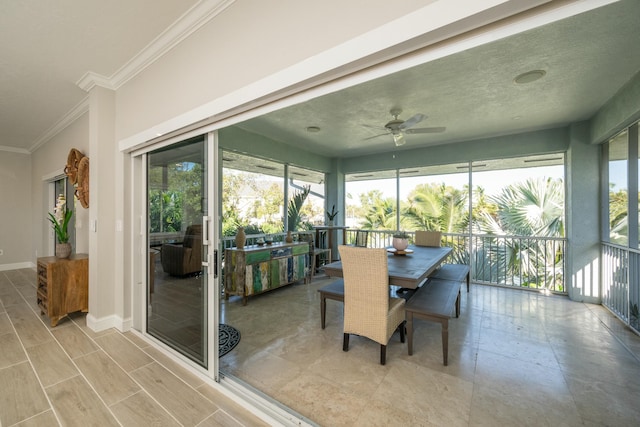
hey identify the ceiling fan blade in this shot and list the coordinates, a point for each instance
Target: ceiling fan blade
(373, 127)
(412, 121)
(427, 130)
(375, 136)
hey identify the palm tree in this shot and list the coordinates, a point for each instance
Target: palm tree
(528, 209)
(618, 219)
(294, 217)
(379, 213)
(436, 207)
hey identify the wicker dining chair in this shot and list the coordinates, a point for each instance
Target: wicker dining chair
(369, 311)
(362, 239)
(457, 272)
(428, 238)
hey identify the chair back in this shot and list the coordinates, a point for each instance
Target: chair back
(428, 238)
(366, 291)
(362, 238)
(193, 236)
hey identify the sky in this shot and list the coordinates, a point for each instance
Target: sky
(491, 181)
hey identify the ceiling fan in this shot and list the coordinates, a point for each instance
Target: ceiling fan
(397, 128)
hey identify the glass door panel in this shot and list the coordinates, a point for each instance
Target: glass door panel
(177, 284)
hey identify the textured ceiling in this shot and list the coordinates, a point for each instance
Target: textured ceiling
(587, 59)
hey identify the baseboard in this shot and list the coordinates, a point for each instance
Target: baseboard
(16, 266)
(104, 323)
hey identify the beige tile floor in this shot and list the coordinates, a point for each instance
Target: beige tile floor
(515, 358)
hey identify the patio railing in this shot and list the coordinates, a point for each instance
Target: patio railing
(621, 283)
(514, 261)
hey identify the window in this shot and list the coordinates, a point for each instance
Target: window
(371, 200)
(254, 191)
(252, 195)
(618, 189)
(521, 196)
(313, 209)
(435, 198)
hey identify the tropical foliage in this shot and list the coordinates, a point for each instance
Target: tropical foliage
(294, 210)
(618, 218)
(60, 225)
(528, 212)
(174, 197)
(511, 227)
(436, 207)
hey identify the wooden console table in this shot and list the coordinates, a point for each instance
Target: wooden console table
(63, 286)
(255, 269)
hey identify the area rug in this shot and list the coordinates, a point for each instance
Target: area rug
(228, 338)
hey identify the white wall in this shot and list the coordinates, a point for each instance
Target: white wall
(247, 42)
(46, 161)
(15, 214)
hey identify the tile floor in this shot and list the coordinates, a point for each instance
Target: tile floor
(515, 358)
(71, 376)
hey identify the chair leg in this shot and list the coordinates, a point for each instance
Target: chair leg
(345, 343)
(401, 327)
(383, 354)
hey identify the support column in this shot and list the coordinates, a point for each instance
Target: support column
(103, 262)
(582, 275)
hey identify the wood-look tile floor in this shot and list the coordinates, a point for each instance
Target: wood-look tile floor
(71, 376)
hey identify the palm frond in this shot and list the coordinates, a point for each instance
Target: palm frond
(295, 205)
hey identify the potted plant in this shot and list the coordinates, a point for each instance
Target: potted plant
(60, 220)
(331, 215)
(400, 240)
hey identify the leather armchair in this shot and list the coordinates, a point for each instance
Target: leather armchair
(185, 258)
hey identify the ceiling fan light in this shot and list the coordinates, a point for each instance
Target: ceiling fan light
(398, 138)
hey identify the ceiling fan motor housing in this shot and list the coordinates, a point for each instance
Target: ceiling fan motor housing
(394, 125)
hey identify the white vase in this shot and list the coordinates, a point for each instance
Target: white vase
(63, 250)
(400, 244)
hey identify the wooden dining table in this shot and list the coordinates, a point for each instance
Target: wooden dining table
(406, 271)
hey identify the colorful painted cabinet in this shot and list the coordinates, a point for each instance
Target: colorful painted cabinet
(256, 269)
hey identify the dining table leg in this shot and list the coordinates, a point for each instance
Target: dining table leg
(445, 340)
(409, 316)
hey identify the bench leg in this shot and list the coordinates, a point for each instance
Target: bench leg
(410, 332)
(468, 280)
(445, 340)
(323, 309)
(458, 305)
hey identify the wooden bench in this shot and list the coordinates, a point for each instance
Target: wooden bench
(435, 301)
(334, 291)
(457, 272)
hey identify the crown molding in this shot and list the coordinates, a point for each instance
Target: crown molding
(73, 115)
(91, 80)
(14, 149)
(201, 13)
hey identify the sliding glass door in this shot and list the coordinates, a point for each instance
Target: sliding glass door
(177, 238)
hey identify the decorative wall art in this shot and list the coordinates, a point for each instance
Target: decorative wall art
(77, 169)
